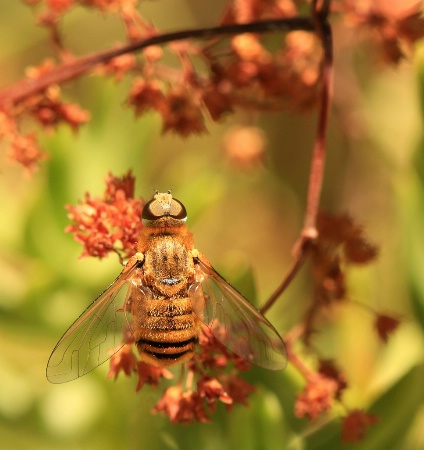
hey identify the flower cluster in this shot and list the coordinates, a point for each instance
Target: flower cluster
(240, 71)
(23, 147)
(317, 397)
(340, 243)
(355, 425)
(108, 224)
(126, 361)
(211, 378)
(393, 27)
(46, 109)
(249, 76)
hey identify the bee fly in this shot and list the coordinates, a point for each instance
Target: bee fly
(164, 296)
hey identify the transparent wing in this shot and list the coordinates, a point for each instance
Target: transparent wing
(234, 321)
(96, 335)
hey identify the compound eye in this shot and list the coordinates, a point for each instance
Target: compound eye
(177, 210)
(152, 210)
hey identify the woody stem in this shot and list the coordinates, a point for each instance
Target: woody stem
(25, 88)
(316, 176)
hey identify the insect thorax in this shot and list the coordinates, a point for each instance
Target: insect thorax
(168, 265)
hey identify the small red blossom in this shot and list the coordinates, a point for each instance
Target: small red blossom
(328, 369)
(181, 406)
(344, 232)
(148, 374)
(386, 326)
(146, 95)
(119, 187)
(210, 389)
(108, 224)
(50, 111)
(73, 115)
(394, 26)
(7, 125)
(237, 389)
(25, 151)
(317, 398)
(355, 425)
(340, 242)
(23, 147)
(46, 66)
(184, 406)
(124, 361)
(119, 66)
(218, 100)
(182, 112)
(248, 47)
(411, 26)
(213, 355)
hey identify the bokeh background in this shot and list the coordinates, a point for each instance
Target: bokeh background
(246, 222)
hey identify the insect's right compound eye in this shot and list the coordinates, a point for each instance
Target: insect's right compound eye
(177, 210)
(152, 210)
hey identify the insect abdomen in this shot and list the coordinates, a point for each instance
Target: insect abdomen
(167, 332)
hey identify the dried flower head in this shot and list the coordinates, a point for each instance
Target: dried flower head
(182, 112)
(211, 378)
(393, 27)
(385, 326)
(108, 224)
(317, 397)
(24, 150)
(49, 111)
(340, 242)
(329, 370)
(355, 425)
(146, 95)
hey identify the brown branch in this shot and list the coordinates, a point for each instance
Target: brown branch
(309, 232)
(23, 89)
(316, 177)
(300, 258)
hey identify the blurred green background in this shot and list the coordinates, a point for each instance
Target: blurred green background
(245, 221)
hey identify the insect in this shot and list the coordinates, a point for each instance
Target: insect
(164, 296)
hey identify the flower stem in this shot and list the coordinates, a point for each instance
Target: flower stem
(25, 88)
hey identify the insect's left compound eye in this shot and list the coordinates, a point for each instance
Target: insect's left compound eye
(152, 210)
(177, 210)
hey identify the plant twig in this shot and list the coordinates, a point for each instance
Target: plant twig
(316, 177)
(300, 258)
(309, 232)
(26, 88)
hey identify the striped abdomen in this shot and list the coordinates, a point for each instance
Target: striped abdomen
(166, 330)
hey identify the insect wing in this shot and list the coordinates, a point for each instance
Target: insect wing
(234, 321)
(95, 336)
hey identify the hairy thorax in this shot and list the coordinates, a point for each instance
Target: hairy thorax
(168, 264)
